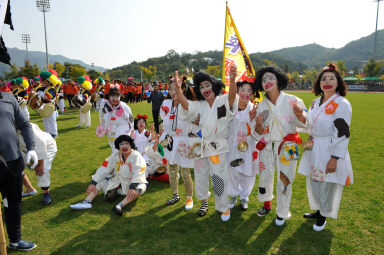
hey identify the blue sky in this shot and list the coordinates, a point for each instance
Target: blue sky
(111, 33)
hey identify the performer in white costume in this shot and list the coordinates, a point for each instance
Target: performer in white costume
(127, 168)
(84, 96)
(243, 157)
(215, 111)
(47, 94)
(176, 133)
(115, 117)
(326, 161)
(278, 117)
(141, 135)
(46, 151)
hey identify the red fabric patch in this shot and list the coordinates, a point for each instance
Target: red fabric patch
(164, 161)
(171, 117)
(254, 155)
(165, 109)
(113, 118)
(105, 163)
(130, 167)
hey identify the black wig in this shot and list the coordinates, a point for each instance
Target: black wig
(282, 79)
(126, 138)
(255, 92)
(201, 76)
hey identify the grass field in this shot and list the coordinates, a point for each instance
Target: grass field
(149, 227)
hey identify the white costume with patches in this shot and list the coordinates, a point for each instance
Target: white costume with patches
(141, 140)
(50, 124)
(154, 158)
(124, 173)
(116, 120)
(84, 117)
(329, 139)
(242, 166)
(214, 123)
(270, 158)
(45, 149)
(177, 131)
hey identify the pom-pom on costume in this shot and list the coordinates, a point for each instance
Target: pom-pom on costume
(20, 93)
(100, 91)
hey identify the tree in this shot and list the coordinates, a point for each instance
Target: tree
(309, 75)
(93, 74)
(342, 69)
(373, 67)
(106, 76)
(214, 70)
(149, 72)
(29, 71)
(59, 68)
(75, 71)
(295, 77)
(13, 74)
(268, 62)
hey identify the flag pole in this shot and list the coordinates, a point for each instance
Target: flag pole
(225, 31)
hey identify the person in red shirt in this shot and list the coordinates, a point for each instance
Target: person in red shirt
(4, 88)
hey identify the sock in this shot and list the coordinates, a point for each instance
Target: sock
(87, 201)
(267, 205)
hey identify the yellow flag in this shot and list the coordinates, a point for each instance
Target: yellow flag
(234, 52)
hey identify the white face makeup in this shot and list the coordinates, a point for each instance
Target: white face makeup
(172, 90)
(206, 90)
(114, 99)
(269, 82)
(245, 92)
(328, 82)
(141, 124)
(125, 147)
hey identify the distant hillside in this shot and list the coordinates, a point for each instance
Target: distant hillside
(355, 53)
(37, 57)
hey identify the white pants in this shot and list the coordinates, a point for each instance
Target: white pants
(324, 196)
(25, 111)
(271, 160)
(98, 104)
(85, 119)
(239, 184)
(45, 179)
(214, 167)
(61, 105)
(50, 125)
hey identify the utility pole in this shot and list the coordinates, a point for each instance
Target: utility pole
(26, 38)
(44, 6)
(377, 19)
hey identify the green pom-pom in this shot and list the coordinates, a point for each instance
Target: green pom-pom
(19, 81)
(80, 80)
(36, 79)
(13, 81)
(45, 75)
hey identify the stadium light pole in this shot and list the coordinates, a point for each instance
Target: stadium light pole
(26, 38)
(377, 18)
(44, 6)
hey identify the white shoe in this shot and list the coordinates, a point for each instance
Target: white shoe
(87, 126)
(27, 194)
(189, 204)
(78, 125)
(81, 206)
(279, 222)
(225, 216)
(232, 202)
(319, 228)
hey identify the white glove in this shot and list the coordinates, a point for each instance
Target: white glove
(31, 156)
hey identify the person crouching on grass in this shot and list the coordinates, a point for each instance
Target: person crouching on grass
(127, 167)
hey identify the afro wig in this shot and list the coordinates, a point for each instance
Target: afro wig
(201, 76)
(282, 79)
(125, 138)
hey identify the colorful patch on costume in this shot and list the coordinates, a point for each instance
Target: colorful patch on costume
(214, 159)
(284, 179)
(165, 109)
(117, 166)
(147, 133)
(262, 190)
(284, 160)
(255, 154)
(266, 130)
(113, 118)
(142, 169)
(178, 131)
(342, 127)
(105, 163)
(165, 161)
(199, 164)
(237, 162)
(184, 149)
(130, 167)
(218, 185)
(119, 111)
(291, 151)
(261, 167)
(213, 145)
(348, 181)
(160, 149)
(171, 117)
(331, 107)
(107, 108)
(248, 130)
(265, 115)
(221, 112)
